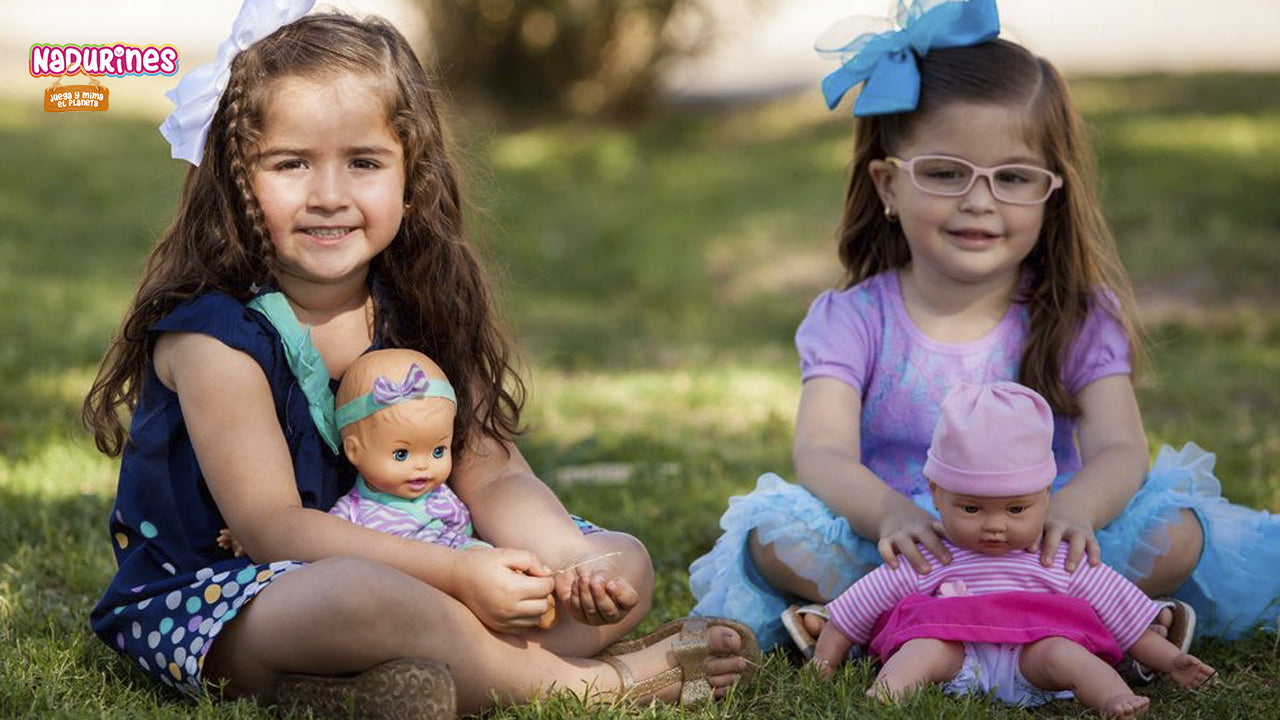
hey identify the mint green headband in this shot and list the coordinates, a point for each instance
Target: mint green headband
(387, 392)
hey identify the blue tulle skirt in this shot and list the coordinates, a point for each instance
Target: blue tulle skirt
(1235, 586)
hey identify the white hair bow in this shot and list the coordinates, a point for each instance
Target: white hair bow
(195, 98)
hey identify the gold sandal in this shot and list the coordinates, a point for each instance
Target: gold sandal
(405, 689)
(691, 653)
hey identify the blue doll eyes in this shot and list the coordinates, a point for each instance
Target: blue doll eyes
(438, 452)
(400, 455)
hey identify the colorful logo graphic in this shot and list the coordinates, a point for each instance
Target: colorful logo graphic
(116, 60)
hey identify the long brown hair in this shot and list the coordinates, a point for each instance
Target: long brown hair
(435, 296)
(1073, 266)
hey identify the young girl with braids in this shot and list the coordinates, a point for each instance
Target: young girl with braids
(975, 251)
(323, 218)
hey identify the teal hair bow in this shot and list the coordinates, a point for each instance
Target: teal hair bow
(886, 61)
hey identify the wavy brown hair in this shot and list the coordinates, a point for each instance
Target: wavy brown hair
(435, 297)
(1073, 266)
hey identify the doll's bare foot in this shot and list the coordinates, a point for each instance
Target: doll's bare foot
(1125, 705)
(1190, 671)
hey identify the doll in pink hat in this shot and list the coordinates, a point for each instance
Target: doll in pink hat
(996, 620)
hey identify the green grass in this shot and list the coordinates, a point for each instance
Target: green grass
(655, 275)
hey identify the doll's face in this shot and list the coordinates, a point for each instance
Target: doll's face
(404, 450)
(992, 525)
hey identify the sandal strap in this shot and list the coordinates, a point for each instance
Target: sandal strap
(691, 654)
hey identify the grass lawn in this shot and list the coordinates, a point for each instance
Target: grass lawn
(655, 275)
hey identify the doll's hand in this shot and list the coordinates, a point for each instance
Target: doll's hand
(228, 542)
(906, 527)
(1077, 532)
(832, 648)
(507, 589)
(593, 592)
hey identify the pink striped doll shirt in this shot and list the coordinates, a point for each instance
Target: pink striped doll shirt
(1123, 609)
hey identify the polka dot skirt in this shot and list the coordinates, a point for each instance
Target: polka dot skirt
(168, 635)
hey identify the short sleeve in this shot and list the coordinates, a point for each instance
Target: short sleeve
(1101, 349)
(833, 340)
(227, 320)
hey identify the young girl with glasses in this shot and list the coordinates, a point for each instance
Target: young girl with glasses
(975, 251)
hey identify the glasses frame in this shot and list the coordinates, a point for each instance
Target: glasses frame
(978, 172)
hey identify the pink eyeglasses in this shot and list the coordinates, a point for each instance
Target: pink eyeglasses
(952, 177)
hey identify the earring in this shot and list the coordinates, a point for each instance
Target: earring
(890, 214)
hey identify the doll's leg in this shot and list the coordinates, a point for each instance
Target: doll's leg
(620, 585)
(1186, 540)
(922, 660)
(345, 615)
(1057, 663)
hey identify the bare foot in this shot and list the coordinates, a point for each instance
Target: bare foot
(1162, 623)
(888, 691)
(723, 666)
(1190, 671)
(1125, 705)
(813, 623)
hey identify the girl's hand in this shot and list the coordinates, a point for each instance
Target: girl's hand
(593, 592)
(903, 530)
(507, 589)
(1077, 532)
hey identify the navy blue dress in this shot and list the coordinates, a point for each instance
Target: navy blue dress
(175, 588)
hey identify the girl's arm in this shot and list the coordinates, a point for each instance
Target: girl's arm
(1113, 454)
(226, 404)
(828, 462)
(510, 506)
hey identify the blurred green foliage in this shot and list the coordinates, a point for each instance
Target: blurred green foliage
(580, 57)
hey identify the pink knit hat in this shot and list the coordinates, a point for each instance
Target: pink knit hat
(992, 441)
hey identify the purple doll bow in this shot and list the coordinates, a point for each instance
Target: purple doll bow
(414, 385)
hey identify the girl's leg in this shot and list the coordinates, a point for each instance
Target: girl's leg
(778, 574)
(1186, 540)
(1056, 663)
(345, 615)
(922, 660)
(633, 566)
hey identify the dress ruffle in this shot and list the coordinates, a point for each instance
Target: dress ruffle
(1236, 584)
(806, 536)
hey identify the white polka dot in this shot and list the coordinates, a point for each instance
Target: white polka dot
(153, 640)
(197, 644)
(160, 661)
(239, 601)
(143, 662)
(173, 600)
(204, 626)
(137, 631)
(220, 577)
(204, 574)
(251, 589)
(169, 569)
(230, 589)
(192, 667)
(217, 628)
(143, 605)
(178, 635)
(180, 655)
(220, 610)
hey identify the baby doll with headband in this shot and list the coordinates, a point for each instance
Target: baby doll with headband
(395, 413)
(995, 620)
